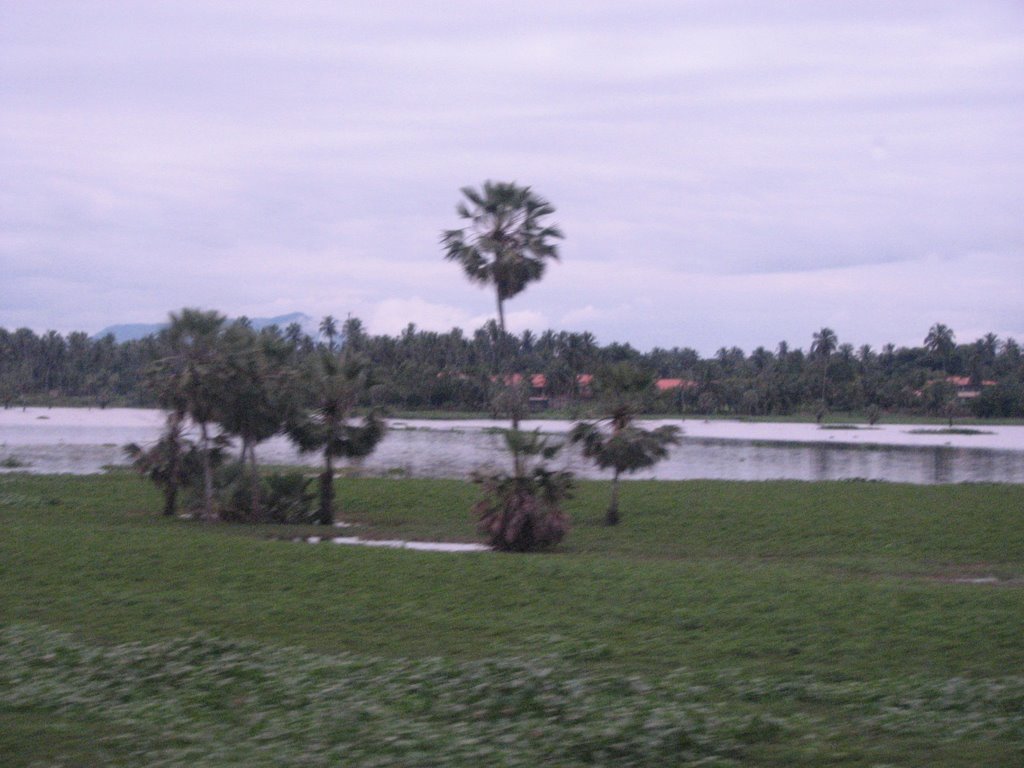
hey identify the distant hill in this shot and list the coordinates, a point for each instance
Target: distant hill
(131, 331)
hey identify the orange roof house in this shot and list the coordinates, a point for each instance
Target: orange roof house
(666, 385)
(965, 390)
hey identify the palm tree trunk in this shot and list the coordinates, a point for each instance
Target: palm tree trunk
(174, 468)
(170, 499)
(612, 517)
(326, 516)
(254, 481)
(501, 317)
(506, 369)
(204, 438)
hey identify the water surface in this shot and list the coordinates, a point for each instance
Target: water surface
(86, 440)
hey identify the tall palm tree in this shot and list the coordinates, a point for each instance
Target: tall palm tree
(255, 394)
(506, 242)
(824, 344)
(577, 350)
(989, 346)
(186, 379)
(353, 334)
(329, 329)
(294, 334)
(941, 341)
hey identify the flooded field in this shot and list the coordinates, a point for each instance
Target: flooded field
(83, 441)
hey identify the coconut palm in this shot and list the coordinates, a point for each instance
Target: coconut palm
(353, 334)
(506, 242)
(577, 350)
(824, 344)
(615, 442)
(988, 345)
(329, 330)
(941, 341)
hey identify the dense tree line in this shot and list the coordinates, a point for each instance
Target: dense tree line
(420, 369)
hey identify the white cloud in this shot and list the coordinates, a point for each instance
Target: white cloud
(727, 173)
(581, 317)
(519, 320)
(873, 303)
(392, 316)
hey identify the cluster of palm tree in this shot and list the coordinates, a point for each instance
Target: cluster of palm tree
(505, 245)
(224, 382)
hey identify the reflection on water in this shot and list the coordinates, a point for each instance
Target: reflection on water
(450, 452)
(746, 460)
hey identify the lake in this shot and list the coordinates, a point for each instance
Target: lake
(82, 441)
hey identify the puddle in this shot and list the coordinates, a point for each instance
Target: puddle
(422, 546)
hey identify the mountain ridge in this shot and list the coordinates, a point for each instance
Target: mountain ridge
(133, 331)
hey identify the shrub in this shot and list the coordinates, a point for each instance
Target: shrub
(520, 512)
(283, 497)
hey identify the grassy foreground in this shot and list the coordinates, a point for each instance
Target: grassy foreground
(721, 624)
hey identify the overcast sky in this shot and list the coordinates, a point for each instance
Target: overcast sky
(726, 173)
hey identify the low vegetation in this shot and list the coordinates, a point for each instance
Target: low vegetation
(521, 511)
(720, 623)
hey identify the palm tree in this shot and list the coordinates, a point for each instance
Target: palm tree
(329, 329)
(615, 442)
(164, 461)
(294, 334)
(185, 380)
(335, 388)
(824, 344)
(506, 242)
(255, 394)
(989, 344)
(353, 334)
(576, 349)
(940, 341)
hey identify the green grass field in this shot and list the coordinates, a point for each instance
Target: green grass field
(720, 624)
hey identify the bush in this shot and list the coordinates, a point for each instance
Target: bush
(288, 499)
(520, 512)
(282, 498)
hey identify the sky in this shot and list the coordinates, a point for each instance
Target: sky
(727, 173)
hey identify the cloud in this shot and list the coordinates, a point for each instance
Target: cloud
(582, 317)
(518, 321)
(727, 173)
(392, 316)
(874, 303)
